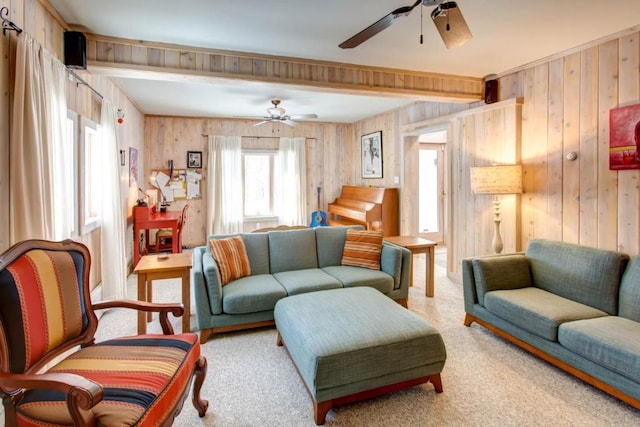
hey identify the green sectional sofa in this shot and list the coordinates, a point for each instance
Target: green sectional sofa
(574, 306)
(286, 263)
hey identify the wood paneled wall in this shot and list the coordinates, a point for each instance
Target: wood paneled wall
(566, 109)
(169, 138)
(36, 20)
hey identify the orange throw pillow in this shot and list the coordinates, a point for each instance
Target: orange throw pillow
(231, 256)
(362, 248)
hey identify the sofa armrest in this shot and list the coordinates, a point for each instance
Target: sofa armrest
(396, 261)
(206, 282)
(497, 272)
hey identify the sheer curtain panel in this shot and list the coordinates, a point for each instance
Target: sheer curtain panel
(224, 186)
(291, 182)
(114, 262)
(37, 162)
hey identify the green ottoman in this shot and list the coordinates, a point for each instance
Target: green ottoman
(355, 343)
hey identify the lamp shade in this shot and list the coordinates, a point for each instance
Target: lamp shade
(502, 179)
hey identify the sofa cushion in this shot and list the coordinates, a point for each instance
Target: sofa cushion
(612, 342)
(252, 294)
(536, 310)
(292, 250)
(257, 246)
(587, 275)
(231, 257)
(504, 272)
(160, 365)
(629, 304)
(357, 276)
(330, 244)
(303, 281)
(362, 248)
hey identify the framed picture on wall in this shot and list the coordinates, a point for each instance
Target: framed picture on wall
(194, 159)
(624, 137)
(371, 150)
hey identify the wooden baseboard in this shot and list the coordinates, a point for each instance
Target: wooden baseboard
(556, 362)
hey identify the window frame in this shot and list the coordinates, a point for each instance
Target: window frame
(273, 154)
(87, 223)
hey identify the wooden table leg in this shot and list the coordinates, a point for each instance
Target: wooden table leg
(186, 301)
(142, 296)
(430, 263)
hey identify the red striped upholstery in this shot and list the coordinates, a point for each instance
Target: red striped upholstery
(47, 324)
(362, 248)
(231, 256)
(41, 303)
(142, 376)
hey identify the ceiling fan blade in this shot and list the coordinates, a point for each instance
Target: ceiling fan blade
(451, 25)
(377, 26)
(303, 116)
(289, 122)
(262, 122)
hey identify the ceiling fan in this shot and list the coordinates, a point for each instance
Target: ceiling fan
(446, 16)
(277, 113)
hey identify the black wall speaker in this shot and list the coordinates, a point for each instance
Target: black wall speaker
(490, 91)
(75, 50)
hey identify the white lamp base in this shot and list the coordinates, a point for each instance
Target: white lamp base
(496, 243)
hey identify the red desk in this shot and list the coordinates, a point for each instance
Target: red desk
(147, 218)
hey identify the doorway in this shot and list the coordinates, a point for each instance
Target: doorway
(431, 190)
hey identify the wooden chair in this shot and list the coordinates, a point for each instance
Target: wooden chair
(164, 235)
(52, 373)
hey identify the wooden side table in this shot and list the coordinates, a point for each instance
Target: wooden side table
(418, 245)
(155, 267)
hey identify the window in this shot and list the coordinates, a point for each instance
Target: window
(70, 178)
(91, 176)
(258, 172)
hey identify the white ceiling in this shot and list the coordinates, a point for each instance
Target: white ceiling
(506, 35)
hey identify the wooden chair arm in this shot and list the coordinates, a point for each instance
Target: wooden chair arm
(163, 309)
(82, 394)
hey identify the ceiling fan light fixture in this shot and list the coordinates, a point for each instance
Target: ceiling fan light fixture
(451, 24)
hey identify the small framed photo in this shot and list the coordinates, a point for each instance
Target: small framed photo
(194, 159)
(372, 155)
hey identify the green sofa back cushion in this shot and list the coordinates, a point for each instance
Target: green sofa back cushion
(330, 244)
(292, 250)
(630, 291)
(257, 247)
(587, 275)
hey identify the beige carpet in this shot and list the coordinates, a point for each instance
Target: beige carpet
(486, 380)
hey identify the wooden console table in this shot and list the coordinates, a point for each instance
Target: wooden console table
(151, 268)
(418, 245)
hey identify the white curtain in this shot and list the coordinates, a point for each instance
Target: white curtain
(224, 185)
(38, 196)
(114, 263)
(291, 182)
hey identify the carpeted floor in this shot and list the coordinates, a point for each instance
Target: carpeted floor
(486, 380)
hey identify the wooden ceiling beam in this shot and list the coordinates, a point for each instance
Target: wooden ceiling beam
(141, 59)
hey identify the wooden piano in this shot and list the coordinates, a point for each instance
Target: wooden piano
(374, 207)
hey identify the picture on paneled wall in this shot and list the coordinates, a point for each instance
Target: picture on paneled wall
(372, 155)
(133, 167)
(624, 137)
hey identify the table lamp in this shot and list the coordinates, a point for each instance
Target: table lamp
(496, 180)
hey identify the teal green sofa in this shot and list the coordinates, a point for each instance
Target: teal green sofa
(286, 263)
(574, 306)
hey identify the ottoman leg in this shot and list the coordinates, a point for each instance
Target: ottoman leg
(437, 382)
(279, 340)
(320, 410)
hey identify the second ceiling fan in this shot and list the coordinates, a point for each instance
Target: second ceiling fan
(446, 16)
(279, 114)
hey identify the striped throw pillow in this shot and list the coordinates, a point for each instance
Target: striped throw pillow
(362, 248)
(231, 256)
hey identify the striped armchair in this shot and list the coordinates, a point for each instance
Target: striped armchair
(52, 373)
